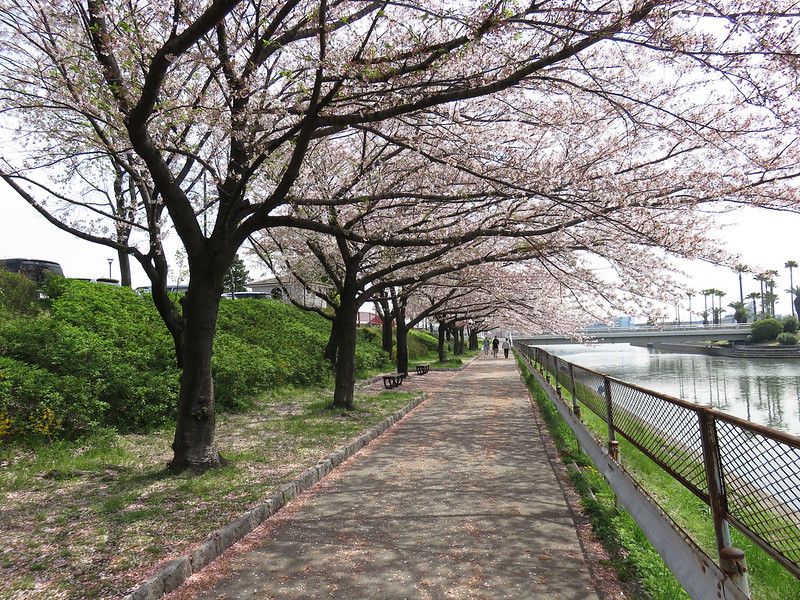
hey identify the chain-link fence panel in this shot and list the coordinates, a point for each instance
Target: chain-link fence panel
(761, 474)
(665, 431)
(590, 389)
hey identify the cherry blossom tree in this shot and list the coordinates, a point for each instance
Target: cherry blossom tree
(577, 122)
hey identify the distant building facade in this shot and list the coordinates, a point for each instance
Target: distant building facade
(285, 292)
(366, 317)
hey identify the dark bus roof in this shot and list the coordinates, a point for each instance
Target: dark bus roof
(31, 267)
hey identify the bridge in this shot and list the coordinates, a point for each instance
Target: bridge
(644, 335)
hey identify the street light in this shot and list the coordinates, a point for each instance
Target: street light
(110, 260)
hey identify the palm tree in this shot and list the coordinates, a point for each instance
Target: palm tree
(706, 294)
(761, 278)
(772, 297)
(741, 269)
(790, 264)
(796, 294)
(719, 310)
(739, 311)
(754, 296)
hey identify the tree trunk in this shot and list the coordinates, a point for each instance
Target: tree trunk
(387, 343)
(194, 445)
(458, 340)
(442, 340)
(386, 314)
(402, 341)
(333, 342)
(346, 326)
(473, 338)
(124, 268)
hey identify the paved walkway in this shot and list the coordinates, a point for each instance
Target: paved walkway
(458, 501)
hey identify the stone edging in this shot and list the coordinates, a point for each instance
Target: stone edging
(174, 572)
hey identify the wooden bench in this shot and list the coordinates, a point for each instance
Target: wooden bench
(423, 368)
(392, 380)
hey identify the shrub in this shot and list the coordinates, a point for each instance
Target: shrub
(124, 388)
(241, 370)
(283, 335)
(431, 342)
(37, 403)
(791, 324)
(766, 329)
(787, 339)
(18, 294)
(421, 343)
(370, 356)
(102, 357)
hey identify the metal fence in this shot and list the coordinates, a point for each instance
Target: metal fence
(748, 474)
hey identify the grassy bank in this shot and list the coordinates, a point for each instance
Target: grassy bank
(634, 557)
(91, 519)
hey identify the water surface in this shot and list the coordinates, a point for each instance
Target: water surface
(765, 391)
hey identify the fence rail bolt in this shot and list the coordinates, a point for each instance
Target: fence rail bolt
(732, 561)
(613, 450)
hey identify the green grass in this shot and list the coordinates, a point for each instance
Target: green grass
(768, 580)
(89, 519)
(452, 362)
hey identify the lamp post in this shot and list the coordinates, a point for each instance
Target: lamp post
(110, 261)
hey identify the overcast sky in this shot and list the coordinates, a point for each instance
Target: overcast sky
(764, 239)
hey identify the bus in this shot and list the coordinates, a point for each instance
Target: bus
(37, 270)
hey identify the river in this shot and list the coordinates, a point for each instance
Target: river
(764, 391)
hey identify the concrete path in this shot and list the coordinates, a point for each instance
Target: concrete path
(458, 501)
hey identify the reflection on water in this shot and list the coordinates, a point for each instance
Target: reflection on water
(765, 391)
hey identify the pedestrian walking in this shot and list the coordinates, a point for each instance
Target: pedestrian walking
(506, 347)
(495, 346)
(486, 346)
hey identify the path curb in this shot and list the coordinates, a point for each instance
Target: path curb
(173, 573)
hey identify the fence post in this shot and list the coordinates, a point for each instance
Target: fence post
(539, 361)
(613, 444)
(731, 560)
(576, 408)
(555, 377)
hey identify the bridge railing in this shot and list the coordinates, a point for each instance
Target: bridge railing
(600, 331)
(670, 327)
(748, 474)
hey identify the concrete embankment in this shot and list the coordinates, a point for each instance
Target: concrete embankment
(737, 351)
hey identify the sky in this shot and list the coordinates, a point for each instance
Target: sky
(764, 239)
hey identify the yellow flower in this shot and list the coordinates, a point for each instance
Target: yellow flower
(6, 424)
(47, 423)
